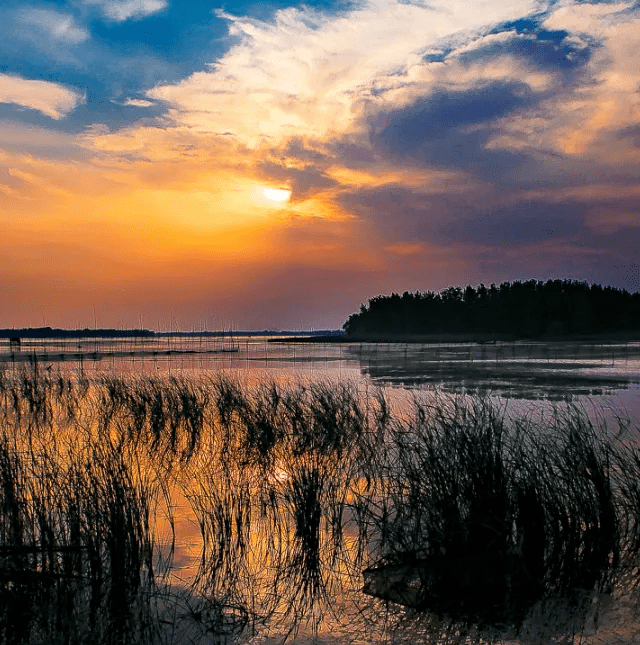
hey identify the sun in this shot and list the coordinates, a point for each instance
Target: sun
(277, 194)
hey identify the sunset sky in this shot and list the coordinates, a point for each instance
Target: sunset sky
(273, 165)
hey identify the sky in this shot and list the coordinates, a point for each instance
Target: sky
(271, 166)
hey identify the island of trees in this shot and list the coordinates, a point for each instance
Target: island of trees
(512, 309)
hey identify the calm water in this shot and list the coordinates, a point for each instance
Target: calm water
(602, 377)
(533, 371)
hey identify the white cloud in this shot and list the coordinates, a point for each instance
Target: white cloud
(307, 73)
(311, 75)
(54, 25)
(51, 99)
(120, 10)
(138, 103)
(583, 120)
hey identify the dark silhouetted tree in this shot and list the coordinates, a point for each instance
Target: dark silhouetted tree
(523, 309)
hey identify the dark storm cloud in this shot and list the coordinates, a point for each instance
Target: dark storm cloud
(411, 130)
(523, 223)
(451, 128)
(402, 215)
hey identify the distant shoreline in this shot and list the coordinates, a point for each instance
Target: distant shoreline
(33, 333)
(65, 357)
(323, 336)
(425, 339)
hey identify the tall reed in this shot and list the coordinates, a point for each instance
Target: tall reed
(76, 548)
(273, 489)
(496, 514)
(450, 505)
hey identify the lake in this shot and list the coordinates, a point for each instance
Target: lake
(275, 492)
(527, 370)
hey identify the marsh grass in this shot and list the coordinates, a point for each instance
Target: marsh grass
(75, 545)
(493, 515)
(166, 416)
(273, 489)
(450, 506)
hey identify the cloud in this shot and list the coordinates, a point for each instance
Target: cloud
(34, 140)
(424, 146)
(582, 118)
(53, 25)
(303, 182)
(520, 98)
(121, 10)
(138, 103)
(424, 129)
(308, 74)
(473, 87)
(366, 82)
(51, 99)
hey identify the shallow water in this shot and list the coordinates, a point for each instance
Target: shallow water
(527, 378)
(531, 370)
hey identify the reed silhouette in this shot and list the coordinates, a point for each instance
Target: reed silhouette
(484, 516)
(449, 506)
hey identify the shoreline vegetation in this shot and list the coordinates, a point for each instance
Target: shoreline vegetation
(33, 333)
(301, 494)
(551, 311)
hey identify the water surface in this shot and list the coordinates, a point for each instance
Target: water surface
(528, 378)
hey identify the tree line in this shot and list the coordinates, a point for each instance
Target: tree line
(49, 332)
(523, 309)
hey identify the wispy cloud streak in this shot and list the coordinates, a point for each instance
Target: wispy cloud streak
(51, 24)
(121, 10)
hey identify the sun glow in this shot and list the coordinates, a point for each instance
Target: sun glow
(277, 194)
